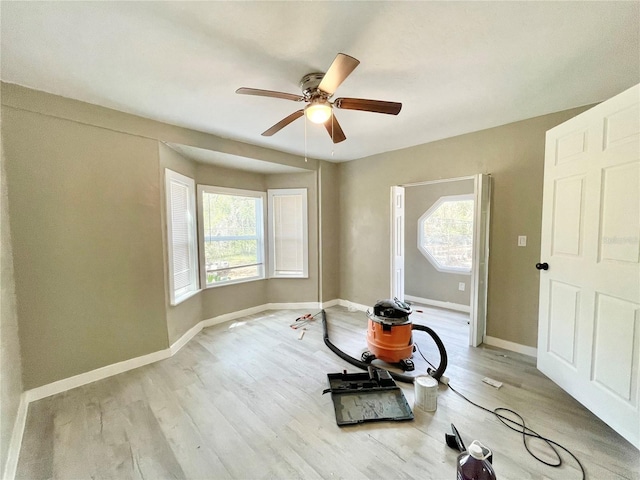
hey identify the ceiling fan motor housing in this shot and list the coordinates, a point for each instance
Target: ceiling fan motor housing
(309, 85)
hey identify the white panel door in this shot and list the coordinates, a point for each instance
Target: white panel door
(397, 242)
(589, 319)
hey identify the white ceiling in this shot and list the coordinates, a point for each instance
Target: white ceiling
(457, 67)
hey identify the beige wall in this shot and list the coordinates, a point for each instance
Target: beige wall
(513, 154)
(10, 363)
(422, 279)
(328, 174)
(230, 178)
(84, 207)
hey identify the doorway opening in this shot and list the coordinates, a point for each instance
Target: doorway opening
(440, 247)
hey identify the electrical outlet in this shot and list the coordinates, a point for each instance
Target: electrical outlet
(522, 241)
(461, 286)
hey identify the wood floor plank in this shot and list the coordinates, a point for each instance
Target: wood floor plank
(197, 459)
(244, 400)
(36, 454)
(71, 437)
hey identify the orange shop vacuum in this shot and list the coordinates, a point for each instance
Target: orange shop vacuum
(389, 334)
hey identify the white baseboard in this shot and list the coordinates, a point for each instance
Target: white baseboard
(330, 303)
(352, 306)
(258, 309)
(94, 375)
(511, 346)
(184, 339)
(15, 443)
(437, 303)
(233, 315)
(294, 306)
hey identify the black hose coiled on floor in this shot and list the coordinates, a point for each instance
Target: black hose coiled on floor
(443, 353)
(396, 376)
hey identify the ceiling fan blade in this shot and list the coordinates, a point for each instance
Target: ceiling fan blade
(283, 123)
(377, 106)
(269, 93)
(339, 70)
(334, 129)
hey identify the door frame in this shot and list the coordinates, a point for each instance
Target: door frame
(479, 272)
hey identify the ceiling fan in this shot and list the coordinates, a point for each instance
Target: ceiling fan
(317, 89)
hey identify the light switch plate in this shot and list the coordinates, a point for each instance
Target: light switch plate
(522, 241)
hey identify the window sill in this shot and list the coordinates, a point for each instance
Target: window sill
(451, 270)
(184, 297)
(294, 277)
(236, 282)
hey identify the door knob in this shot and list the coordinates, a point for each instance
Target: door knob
(542, 266)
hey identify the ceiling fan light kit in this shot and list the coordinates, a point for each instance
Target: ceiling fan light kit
(317, 89)
(318, 111)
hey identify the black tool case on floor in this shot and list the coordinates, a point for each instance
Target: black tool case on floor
(367, 397)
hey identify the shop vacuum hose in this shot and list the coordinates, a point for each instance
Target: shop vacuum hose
(437, 373)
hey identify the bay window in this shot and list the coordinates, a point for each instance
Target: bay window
(231, 238)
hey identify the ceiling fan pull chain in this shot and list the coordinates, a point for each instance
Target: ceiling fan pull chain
(333, 142)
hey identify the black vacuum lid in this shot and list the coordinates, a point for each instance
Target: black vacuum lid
(391, 308)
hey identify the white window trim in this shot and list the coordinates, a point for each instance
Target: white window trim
(425, 215)
(176, 297)
(272, 193)
(262, 223)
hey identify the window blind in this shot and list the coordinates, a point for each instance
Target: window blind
(180, 234)
(183, 263)
(288, 232)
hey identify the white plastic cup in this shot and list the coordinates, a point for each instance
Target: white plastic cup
(426, 393)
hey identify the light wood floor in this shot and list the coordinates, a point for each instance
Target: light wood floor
(243, 400)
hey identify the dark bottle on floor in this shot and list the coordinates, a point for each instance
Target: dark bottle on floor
(473, 464)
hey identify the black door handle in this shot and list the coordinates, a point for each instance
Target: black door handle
(542, 266)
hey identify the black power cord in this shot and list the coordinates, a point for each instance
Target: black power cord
(526, 432)
(520, 427)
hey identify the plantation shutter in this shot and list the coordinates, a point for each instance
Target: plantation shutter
(183, 264)
(288, 233)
